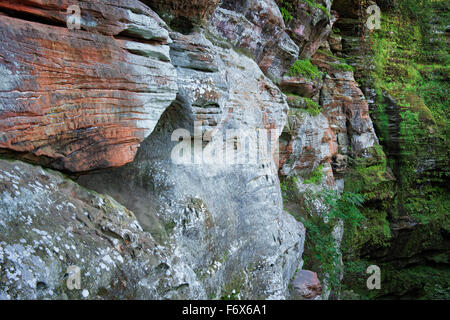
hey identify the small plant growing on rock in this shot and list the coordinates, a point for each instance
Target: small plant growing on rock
(312, 107)
(304, 68)
(286, 9)
(312, 3)
(343, 67)
(316, 176)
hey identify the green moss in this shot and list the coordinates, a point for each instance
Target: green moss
(416, 282)
(429, 205)
(423, 282)
(287, 8)
(312, 107)
(170, 226)
(374, 232)
(304, 68)
(244, 51)
(302, 104)
(336, 30)
(370, 175)
(410, 65)
(233, 288)
(288, 188)
(403, 65)
(418, 106)
(343, 67)
(331, 55)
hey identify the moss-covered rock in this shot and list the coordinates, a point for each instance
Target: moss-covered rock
(406, 209)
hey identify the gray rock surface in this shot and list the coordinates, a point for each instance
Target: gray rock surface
(257, 28)
(227, 221)
(49, 223)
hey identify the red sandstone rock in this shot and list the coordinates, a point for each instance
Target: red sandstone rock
(80, 100)
(310, 25)
(257, 28)
(344, 123)
(300, 86)
(306, 285)
(345, 106)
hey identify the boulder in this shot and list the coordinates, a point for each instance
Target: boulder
(306, 286)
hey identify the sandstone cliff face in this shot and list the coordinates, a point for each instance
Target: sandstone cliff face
(414, 209)
(346, 107)
(226, 217)
(328, 122)
(310, 25)
(64, 225)
(113, 93)
(257, 27)
(342, 127)
(78, 100)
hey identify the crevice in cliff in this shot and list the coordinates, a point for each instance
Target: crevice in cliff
(127, 35)
(182, 25)
(183, 16)
(32, 17)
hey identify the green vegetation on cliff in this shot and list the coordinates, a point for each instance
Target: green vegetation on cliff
(304, 68)
(411, 66)
(370, 177)
(321, 248)
(406, 231)
(287, 8)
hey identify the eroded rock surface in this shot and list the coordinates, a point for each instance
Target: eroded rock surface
(345, 106)
(310, 25)
(87, 99)
(257, 28)
(328, 123)
(79, 100)
(223, 216)
(49, 223)
(306, 286)
(314, 142)
(343, 125)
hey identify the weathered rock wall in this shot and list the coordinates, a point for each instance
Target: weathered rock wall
(113, 93)
(258, 29)
(48, 223)
(227, 220)
(214, 230)
(78, 100)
